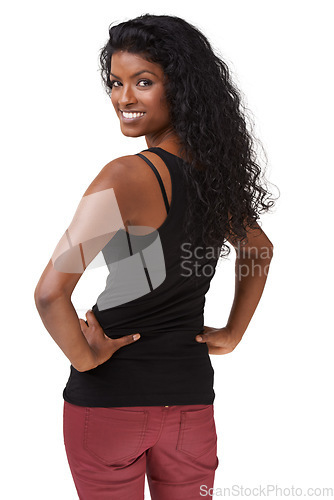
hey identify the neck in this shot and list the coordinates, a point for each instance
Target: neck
(167, 140)
(162, 138)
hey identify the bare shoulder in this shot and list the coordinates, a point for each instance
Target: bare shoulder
(128, 177)
(124, 171)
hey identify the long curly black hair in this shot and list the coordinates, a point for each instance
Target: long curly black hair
(227, 190)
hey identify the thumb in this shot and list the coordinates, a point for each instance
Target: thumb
(202, 338)
(83, 324)
(127, 339)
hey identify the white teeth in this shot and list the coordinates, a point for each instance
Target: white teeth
(131, 115)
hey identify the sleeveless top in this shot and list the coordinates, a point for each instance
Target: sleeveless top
(149, 291)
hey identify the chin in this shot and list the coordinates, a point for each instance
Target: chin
(129, 133)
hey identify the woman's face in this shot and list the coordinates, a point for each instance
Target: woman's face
(138, 87)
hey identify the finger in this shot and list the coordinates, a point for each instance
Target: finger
(83, 324)
(91, 317)
(202, 338)
(127, 339)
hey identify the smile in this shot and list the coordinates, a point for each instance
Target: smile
(128, 116)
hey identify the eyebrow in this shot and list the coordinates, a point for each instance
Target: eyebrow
(136, 74)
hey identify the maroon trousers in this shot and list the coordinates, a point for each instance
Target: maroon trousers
(109, 451)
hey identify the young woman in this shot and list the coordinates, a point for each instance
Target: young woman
(160, 220)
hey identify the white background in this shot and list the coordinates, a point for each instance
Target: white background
(274, 393)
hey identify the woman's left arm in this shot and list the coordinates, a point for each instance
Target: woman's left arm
(251, 272)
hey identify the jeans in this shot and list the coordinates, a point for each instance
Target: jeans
(109, 451)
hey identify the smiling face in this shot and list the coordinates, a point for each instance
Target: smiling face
(138, 96)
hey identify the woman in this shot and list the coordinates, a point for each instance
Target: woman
(160, 219)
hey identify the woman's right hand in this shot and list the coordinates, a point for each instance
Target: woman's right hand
(102, 346)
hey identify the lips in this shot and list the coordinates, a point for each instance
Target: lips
(131, 111)
(129, 116)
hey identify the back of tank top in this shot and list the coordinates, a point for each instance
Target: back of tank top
(151, 289)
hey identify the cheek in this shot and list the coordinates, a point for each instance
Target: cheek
(114, 101)
(164, 106)
(159, 103)
(160, 112)
(158, 99)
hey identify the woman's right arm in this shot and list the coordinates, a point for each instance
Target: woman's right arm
(106, 203)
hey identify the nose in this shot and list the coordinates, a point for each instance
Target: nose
(126, 96)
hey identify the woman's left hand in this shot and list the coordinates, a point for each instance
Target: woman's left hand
(218, 340)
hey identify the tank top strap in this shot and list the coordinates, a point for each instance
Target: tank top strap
(159, 179)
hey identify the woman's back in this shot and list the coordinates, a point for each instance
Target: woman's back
(155, 287)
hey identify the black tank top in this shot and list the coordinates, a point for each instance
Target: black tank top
(149, 290)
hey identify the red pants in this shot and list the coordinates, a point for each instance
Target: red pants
(109, 451)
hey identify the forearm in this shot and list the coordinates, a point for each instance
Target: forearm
(61, 321)
(250, 278)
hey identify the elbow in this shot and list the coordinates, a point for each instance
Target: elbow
(271, 251)
(41, 301)
(267, 251)
(44, 298)
(38, 298)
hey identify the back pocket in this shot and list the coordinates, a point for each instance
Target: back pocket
(114, 435)
(197, 432)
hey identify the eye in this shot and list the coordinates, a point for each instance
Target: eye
(114, 81)
(148, 82)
